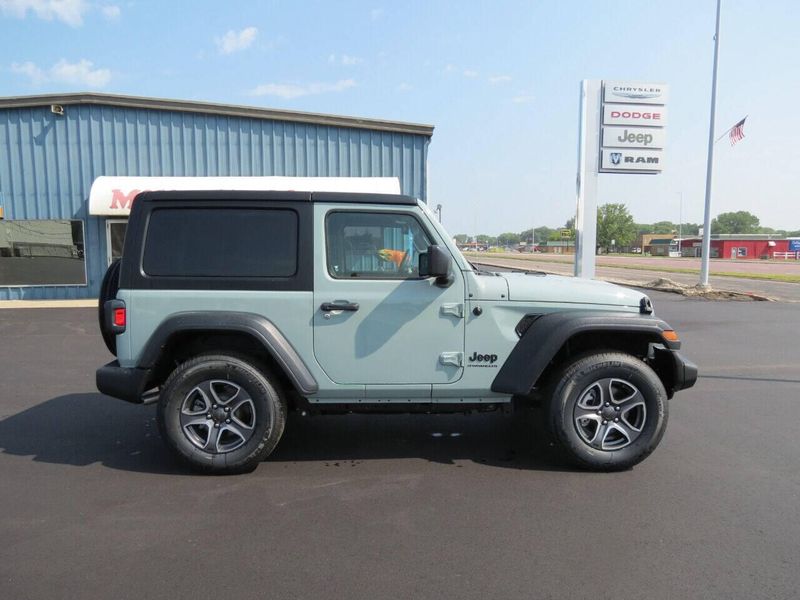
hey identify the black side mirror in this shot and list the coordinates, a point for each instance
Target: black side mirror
(436, 263)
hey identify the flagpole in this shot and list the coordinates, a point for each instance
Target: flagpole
(704, 261)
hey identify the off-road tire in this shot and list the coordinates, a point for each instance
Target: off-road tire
(577, 381)
(260, 385)
(108, 291)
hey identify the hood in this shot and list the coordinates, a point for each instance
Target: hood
(555, 288)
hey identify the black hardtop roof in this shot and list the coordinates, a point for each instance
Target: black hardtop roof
(253, 195)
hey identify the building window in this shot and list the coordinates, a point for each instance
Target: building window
(41, 253)
(221, 242)
(741, 251)
(115, 238)
(374, 245)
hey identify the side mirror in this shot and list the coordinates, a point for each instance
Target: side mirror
(436, 263)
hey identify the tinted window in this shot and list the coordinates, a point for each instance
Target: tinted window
(41, 253)
(374, 245)
(221, 242)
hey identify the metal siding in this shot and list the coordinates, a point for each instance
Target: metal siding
(48, 162)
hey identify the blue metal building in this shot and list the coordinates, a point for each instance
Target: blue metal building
(52, 147)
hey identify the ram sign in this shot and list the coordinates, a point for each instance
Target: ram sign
(633, 117)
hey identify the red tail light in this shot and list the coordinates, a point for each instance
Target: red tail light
(119, 317)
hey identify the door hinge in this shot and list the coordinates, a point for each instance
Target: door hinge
(455, 359)
(453, 308)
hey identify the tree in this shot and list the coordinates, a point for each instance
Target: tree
(461, 238)
(735, 222)
(508, 239)
(615, 223)
(664, 227)
(541, 235)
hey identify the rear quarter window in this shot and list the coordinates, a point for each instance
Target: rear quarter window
(221, 242)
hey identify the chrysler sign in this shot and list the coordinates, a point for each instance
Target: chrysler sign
(633, 117)
(628, 92)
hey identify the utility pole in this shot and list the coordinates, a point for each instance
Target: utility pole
(704, 261)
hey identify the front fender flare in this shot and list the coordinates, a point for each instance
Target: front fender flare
(548, 334)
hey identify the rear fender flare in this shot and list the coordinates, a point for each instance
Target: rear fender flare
(256, 326)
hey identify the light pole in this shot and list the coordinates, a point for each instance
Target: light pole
(439, 212)
(704, 261)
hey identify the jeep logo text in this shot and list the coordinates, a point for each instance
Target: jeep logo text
(490, 358)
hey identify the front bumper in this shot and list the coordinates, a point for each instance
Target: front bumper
(676, 371)
(127, 384)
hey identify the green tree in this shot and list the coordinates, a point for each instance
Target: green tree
(663, 227)
(615, 223)
(508, 239)
(541, 234)
(461, 238)
(735, 222)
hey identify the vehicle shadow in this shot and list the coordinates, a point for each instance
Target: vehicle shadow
(85, 429)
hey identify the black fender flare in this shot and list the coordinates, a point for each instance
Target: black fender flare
(548, 333)
(257, 326)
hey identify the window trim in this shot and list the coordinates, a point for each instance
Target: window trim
(363, 211)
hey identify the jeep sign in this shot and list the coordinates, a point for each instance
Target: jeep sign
(633, 137)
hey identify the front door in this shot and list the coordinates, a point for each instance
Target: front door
(376, 322)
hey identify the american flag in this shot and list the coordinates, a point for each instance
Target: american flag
(737, 132)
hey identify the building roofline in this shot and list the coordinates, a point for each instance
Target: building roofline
(231, 110)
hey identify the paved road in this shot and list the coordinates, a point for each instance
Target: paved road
(93, 506)
(786, 292)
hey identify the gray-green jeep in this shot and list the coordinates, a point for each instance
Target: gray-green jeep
(231, 308)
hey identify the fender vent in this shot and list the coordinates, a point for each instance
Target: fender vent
(645, 306)
(524, 323)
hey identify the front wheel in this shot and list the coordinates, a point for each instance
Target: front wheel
(608, 411)
(222, 413)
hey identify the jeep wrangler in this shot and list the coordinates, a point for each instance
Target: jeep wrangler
(231, 308)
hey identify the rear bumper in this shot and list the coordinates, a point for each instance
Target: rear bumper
(121, 382)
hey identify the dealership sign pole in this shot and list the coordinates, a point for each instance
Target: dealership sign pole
(621, 131)
(586, 213)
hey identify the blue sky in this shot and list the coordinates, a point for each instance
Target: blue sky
(499, 80)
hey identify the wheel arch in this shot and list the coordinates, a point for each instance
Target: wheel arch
(555, 338)
(187, 334)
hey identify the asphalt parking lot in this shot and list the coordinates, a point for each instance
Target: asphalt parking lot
(92, 505)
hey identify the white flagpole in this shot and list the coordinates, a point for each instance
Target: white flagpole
(704, 264)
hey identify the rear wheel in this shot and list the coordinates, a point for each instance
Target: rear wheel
(608, 411)
(222, 413)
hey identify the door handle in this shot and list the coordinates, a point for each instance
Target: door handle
(331, 306)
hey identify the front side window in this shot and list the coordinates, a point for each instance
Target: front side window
(221, 242)
(374, 245)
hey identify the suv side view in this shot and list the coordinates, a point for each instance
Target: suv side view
(230, 308)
